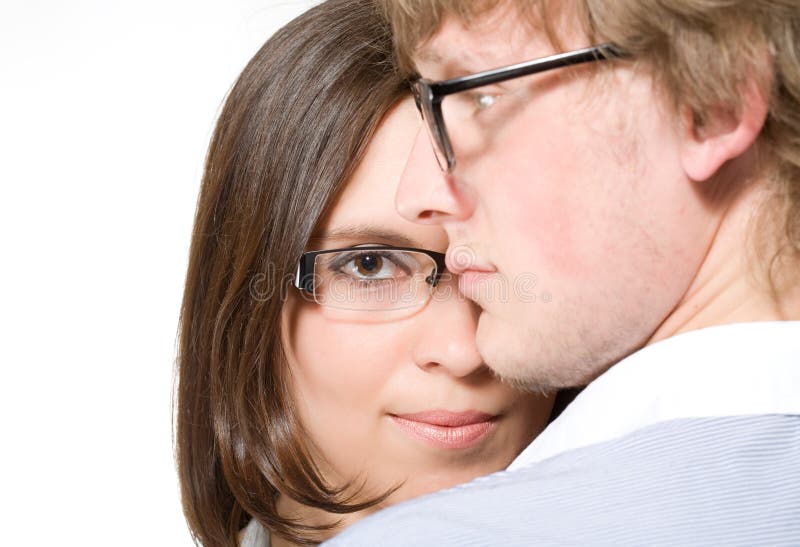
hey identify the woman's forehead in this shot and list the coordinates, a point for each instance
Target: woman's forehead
(367, 200)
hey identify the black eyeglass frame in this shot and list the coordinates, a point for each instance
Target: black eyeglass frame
(304, 276)
(429, 94)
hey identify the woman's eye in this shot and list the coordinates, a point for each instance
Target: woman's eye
(372, 266)
(369, 264)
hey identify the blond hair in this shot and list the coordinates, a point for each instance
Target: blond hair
(701, 52)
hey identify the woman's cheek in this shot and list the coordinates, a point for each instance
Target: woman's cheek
(339, 378)
(346, 360)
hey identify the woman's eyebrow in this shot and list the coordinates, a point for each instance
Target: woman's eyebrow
(364, 232)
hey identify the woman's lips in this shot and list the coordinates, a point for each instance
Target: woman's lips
(446, 429)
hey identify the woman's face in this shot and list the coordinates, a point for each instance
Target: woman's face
(373, 390)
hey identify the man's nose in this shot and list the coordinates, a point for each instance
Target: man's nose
(427, 195)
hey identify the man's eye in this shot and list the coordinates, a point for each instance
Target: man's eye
(483, 100)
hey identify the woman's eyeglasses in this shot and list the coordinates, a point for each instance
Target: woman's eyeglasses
(370, 278)
(429, 95)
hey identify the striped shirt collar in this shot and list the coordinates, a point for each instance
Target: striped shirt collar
(727, 370)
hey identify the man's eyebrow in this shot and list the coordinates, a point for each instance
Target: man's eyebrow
(452, 66)
(429, 56)
(365, 233)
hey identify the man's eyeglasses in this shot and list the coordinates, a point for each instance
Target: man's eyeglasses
(370, 278)
(429, 95)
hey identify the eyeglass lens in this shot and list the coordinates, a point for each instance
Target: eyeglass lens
(373, 280)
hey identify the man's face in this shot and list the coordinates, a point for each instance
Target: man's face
(570, 218)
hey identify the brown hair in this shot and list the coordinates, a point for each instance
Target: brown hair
(701, 52)
(292, 130)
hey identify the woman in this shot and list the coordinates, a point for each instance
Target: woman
(327, 365)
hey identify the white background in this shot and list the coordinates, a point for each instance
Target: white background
(106, 109)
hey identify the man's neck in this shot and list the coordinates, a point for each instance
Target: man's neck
(733, 284)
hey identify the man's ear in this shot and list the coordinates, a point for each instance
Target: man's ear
(721, 134)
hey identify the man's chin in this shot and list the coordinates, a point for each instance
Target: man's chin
(501, 344)
(509, 349)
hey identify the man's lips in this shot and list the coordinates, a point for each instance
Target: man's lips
(480, 286)
(461, 258)
(474, 274)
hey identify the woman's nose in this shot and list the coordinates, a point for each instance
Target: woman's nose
(445, 334)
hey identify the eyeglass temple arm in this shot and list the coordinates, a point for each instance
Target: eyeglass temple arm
(594, 53)
(304, 275)
(434, 278)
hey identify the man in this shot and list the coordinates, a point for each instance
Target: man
(640, 195)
